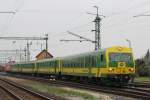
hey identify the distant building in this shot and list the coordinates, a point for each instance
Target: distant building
(44, 55)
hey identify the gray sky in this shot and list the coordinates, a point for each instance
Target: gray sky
(55, 17)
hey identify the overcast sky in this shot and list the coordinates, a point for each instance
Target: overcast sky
(56, 17)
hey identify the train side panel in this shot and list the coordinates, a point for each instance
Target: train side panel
(27, 67)
(48, 66)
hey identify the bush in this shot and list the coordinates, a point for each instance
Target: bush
(143, 70)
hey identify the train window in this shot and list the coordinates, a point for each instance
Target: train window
(75, 65)
(54, 63)
(93, 61)
(45, 64)
(64, 65)
(69, 65)
(86, 61)
(120, 57)
(80, 64)
(102, 57)
(49, 64)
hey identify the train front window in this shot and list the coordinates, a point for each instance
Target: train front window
(120, 57)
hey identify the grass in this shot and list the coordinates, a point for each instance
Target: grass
(142, 79)
(58, 91)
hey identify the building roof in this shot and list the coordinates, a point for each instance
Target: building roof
(43, 52)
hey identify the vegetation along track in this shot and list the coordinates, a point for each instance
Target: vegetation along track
(125, 91)
(20, 93)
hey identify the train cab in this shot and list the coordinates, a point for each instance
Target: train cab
(120, 63)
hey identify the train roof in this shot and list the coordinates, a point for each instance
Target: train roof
(25, 62)
(75, 55)
(49, 59)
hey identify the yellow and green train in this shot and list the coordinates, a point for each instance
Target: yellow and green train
(114, 64)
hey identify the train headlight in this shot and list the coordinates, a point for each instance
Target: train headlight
(131, 69)
(110, 69)
(120, 48)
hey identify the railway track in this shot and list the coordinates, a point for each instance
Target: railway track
(139, 89)
(18, 92)
(7, 95)
(138, 84)
(125, 91)
(129, 92)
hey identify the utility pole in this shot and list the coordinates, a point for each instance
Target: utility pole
(25, 53)
(41, 47)
(97, 31)
(97, 40)
(129, 42)
(20, 55)
(28, 52)
(46, 39)
(97, 21)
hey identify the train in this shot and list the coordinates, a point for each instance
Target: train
(113, 65)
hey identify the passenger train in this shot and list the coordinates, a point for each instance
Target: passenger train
(113, 65)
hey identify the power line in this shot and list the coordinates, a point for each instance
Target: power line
(80, 26)
(141, 15)
(132, 7)
(81, 38)
(7, 12)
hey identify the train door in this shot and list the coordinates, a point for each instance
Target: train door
(101, 63)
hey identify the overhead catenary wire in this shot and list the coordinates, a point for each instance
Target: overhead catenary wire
(15, 8)
(135, 6)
